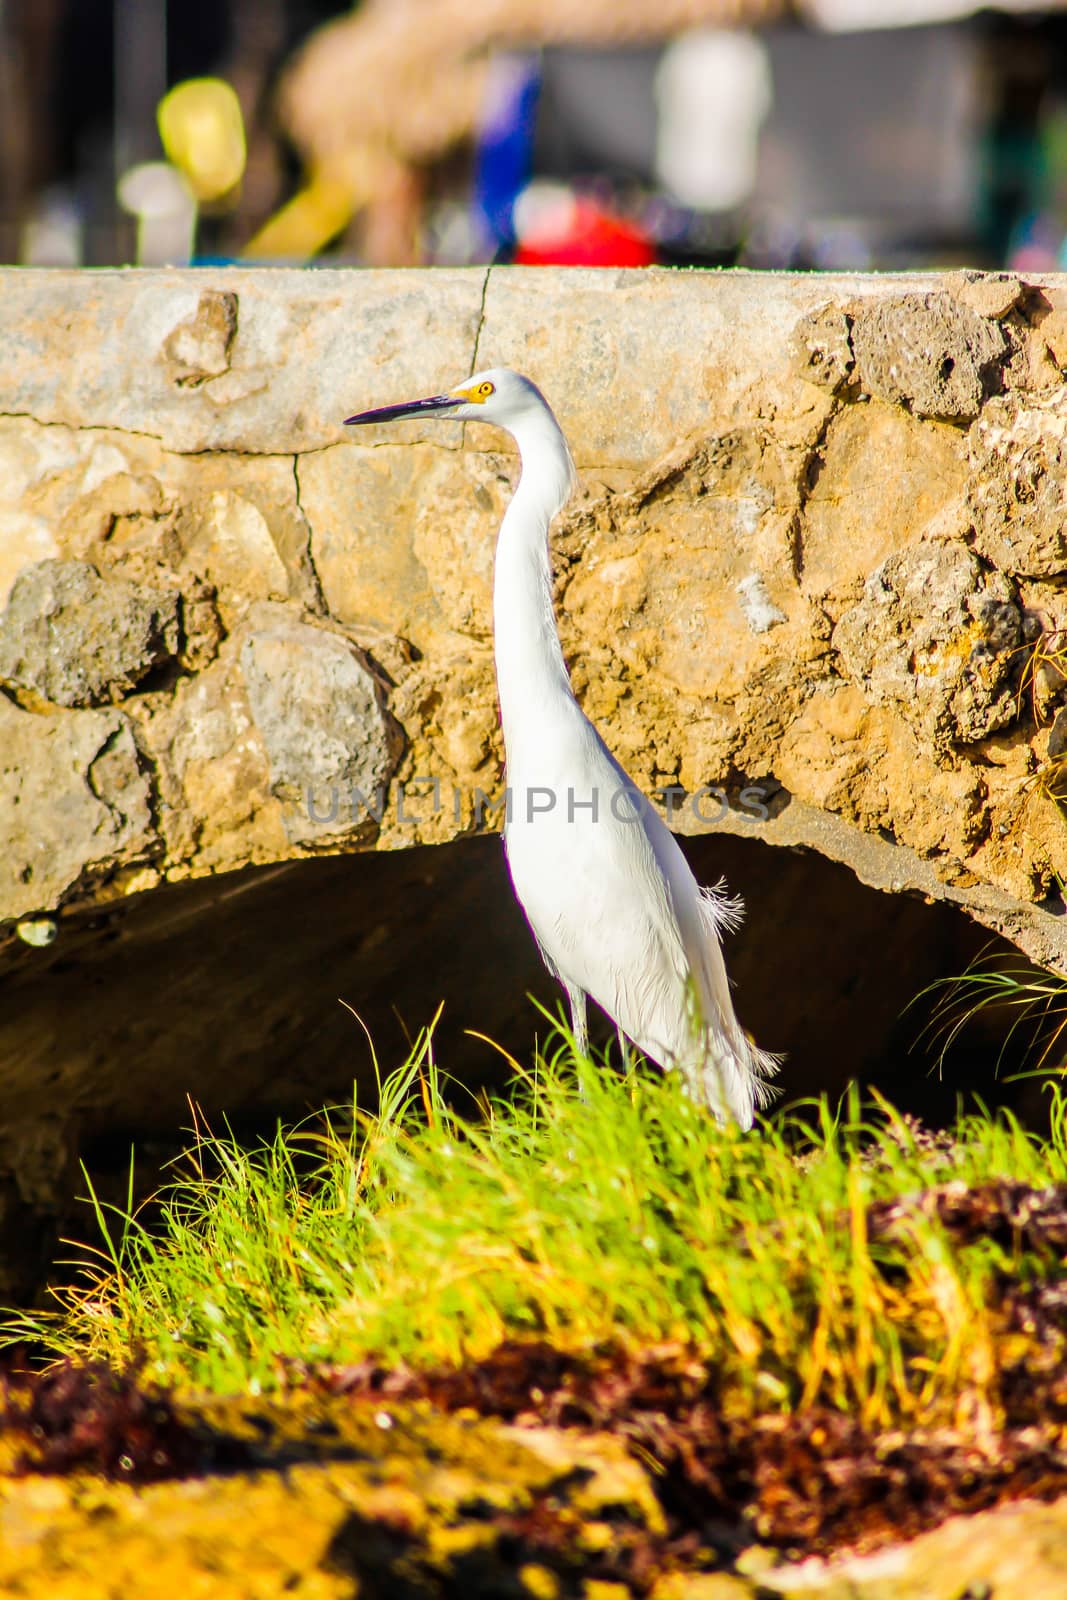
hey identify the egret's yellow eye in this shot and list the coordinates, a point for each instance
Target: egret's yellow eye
(477, 394)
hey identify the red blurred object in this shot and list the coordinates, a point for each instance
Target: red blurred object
(591, 237)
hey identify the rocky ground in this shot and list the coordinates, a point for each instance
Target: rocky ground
(350, 1485)
(606, 1470)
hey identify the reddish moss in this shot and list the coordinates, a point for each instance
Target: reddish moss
(808, 1482)
(85, 1416)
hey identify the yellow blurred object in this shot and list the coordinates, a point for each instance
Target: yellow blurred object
(306, 223)
(322, 209)
(203, 134)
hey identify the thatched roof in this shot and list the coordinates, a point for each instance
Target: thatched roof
(408, 75)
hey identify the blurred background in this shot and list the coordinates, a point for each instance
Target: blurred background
(770, 133)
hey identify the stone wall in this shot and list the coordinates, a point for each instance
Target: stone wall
(818, 552)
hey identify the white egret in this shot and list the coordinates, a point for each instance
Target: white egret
(607, 892)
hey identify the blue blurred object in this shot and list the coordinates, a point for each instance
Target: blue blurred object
(504, 153)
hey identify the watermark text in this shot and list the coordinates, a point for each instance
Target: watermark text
(416, 800)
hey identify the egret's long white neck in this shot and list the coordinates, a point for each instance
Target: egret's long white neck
(529, 662)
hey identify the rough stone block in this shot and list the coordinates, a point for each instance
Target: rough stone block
(74, 638)
(936, 356)
(320, 716)
(936, 636)
(75, 806)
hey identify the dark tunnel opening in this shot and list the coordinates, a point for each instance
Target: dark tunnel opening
(227, 993)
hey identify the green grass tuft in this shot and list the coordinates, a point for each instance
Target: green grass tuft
(586, 1209)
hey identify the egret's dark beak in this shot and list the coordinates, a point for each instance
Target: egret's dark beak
(410, 408)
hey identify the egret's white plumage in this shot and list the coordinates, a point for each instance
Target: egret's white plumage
(610, 897)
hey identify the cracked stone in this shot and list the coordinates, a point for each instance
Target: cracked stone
(116, 511)
(991, 294)
(73, 638)
(202, 630)
(857, 513)
(1018, 472)
(936, 636)
(75, 805)
(327, 735)
(199, 347)
(229, 544)
(821, 347)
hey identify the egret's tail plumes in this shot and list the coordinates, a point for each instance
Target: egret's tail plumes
(735, 1073)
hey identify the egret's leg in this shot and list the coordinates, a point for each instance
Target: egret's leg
(624, 1048)
(579, 1026)
(580, 1030)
